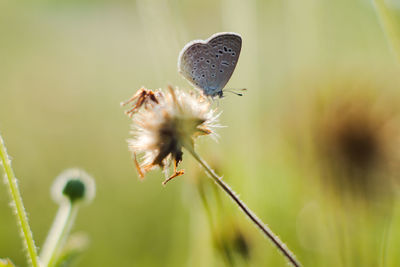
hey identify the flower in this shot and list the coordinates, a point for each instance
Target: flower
(356, 136)
(234, 240)
(73, 185)
(346, 132)
(165, 122)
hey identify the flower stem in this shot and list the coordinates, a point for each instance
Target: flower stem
(18, 205)
(389, 26)
(385, 240)
(263, 227)
(58, 233)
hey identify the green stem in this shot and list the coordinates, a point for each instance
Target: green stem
(389, 26)
(252, 216)
(218, 243)
(58, 233)
(385, 240)
(18, 205)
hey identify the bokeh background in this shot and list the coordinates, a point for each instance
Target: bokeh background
(312, 147)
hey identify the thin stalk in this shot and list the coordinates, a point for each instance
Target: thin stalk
(218, 243)
(58, 233)
(18, 205)
(385, 240)
(389, 26)
(263, 227)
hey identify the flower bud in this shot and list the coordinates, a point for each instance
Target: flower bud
(73, 185)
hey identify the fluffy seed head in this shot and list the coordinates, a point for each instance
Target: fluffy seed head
(163, 122)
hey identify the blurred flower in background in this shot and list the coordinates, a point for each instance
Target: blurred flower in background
(356, 131)
(347, 131)
(230, 238)
(345, 137)
(235, 243)
(73, 185)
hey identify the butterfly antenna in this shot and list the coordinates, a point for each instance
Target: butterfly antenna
(236, 91)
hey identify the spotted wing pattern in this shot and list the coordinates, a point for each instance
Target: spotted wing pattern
(209, 65)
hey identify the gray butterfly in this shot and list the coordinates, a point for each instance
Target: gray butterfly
(208, 65)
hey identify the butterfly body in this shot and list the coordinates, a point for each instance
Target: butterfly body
(208, 65)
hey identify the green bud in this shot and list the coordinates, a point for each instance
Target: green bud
(73, 185)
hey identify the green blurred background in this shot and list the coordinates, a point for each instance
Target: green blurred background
(313, 70)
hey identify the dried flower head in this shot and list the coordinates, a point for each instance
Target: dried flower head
(165, 122)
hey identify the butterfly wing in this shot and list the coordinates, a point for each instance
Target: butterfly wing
(208, 65)
(226, 50)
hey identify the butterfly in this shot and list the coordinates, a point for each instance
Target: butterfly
(208, 65)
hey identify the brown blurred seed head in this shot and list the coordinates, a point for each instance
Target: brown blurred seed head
(234, 241)
(355, 134)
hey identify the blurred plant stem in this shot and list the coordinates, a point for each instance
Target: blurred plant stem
(18, 206)
(58, 233)
(385, 240)
(389, 26)
(218, 243)
(264, 228)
